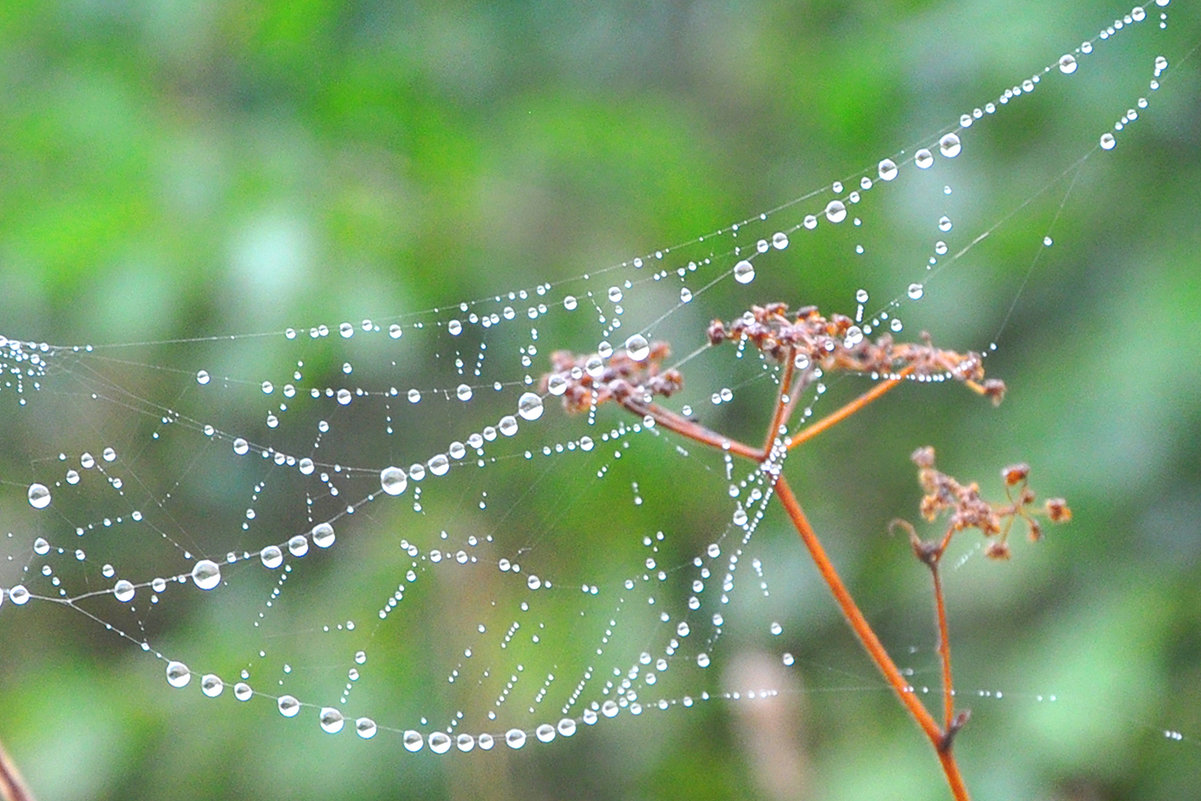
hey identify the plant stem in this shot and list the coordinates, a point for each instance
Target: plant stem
(12, 786)
(871, 643)
(843, 413)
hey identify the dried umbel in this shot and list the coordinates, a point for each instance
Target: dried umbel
(589, 380)
(806, 345)
(837, 343)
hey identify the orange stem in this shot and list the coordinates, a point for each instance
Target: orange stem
(871, 643)
(863, 400)
(12, 787)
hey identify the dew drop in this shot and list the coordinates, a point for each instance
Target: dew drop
(206, 574)
(123, 591)
(685, 294)
(924, 159)
(288, 706)
(365, 728)
(463, 392)
(241, 446)
(916, 291)
(1108, 141)
(887, 169)
(331, 720)
(454, 327)
(515, 738)
(323, 535)
(638, 348)
(202, 377)
(1067, 64)
(529, 405)
(836, 211)
(271, 557)
(744, 272)
(950, 145)
(556, 384)
(779, 240)
(439, 464)
(178, 674)
(39, 496)
(298, 545)
(211, 685)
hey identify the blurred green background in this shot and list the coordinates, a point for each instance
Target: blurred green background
(177, 170)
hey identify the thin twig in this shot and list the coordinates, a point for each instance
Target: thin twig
(871, 643)
(846, 411)
(12, 786)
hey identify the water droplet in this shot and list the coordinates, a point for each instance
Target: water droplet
(950, 146)
(615, 294)
(288, 706)
(545, 732)
(515, 738)
(861, 296)
(454, 327)
(413, 741)
(1067, 64)
(331, 720)
(638, 348)
(944, 224)
(323, 535)
(343, 396)
(556, 384)
(178, 674)
(211, 685)
(18, 594)
(836, 211)
(241, 446)
(1108, 141)
(202, 377)
(439, 464)
(463, 392)
(272, 557)
(915, 291)
(744, 272)
(779, 240)
(924, 159)
(123, 591)
(365, 728)
(887, 169)
(529, 405)
(298, 545)
(306, 466)
(206, 574)
(685, 294)
(39, 496)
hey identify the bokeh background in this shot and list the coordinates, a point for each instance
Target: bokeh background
(176, 170)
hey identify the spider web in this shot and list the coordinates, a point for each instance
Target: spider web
(388, 526)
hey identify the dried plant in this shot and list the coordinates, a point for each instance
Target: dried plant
(807, 345)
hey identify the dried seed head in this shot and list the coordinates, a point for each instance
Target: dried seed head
(923, 457)
(997, 549)
(1015, 473)
(1058, 511)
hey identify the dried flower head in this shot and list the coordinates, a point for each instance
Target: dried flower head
(592, 380)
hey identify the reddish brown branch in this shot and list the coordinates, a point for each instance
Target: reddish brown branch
(12, 786)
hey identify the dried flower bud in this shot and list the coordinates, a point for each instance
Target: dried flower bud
(923, 457)
(997, 550)
(1035, 532)
(1015, 473)
(994, 388)
(1058, 511)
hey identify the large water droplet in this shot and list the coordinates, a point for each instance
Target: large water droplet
(202, 377)
(529, 405)
(463, 392)
(887, 169)
(1108, 141)
(393, 480)
(323, 535)
(440, 742)
(288, 706)
(924, 159)
(365, 728)
(206, 574)
(211, 685)
(638, 348)
(178, 674)
(439, 464)
(515, 738)
(39, 496)
(779, 240)
(916, 291)
(123, 591)
(836, 211)
(272, 557)
(744, 272)
(331, 720)
(950, 145)
(1067, 64)
(413, 741)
